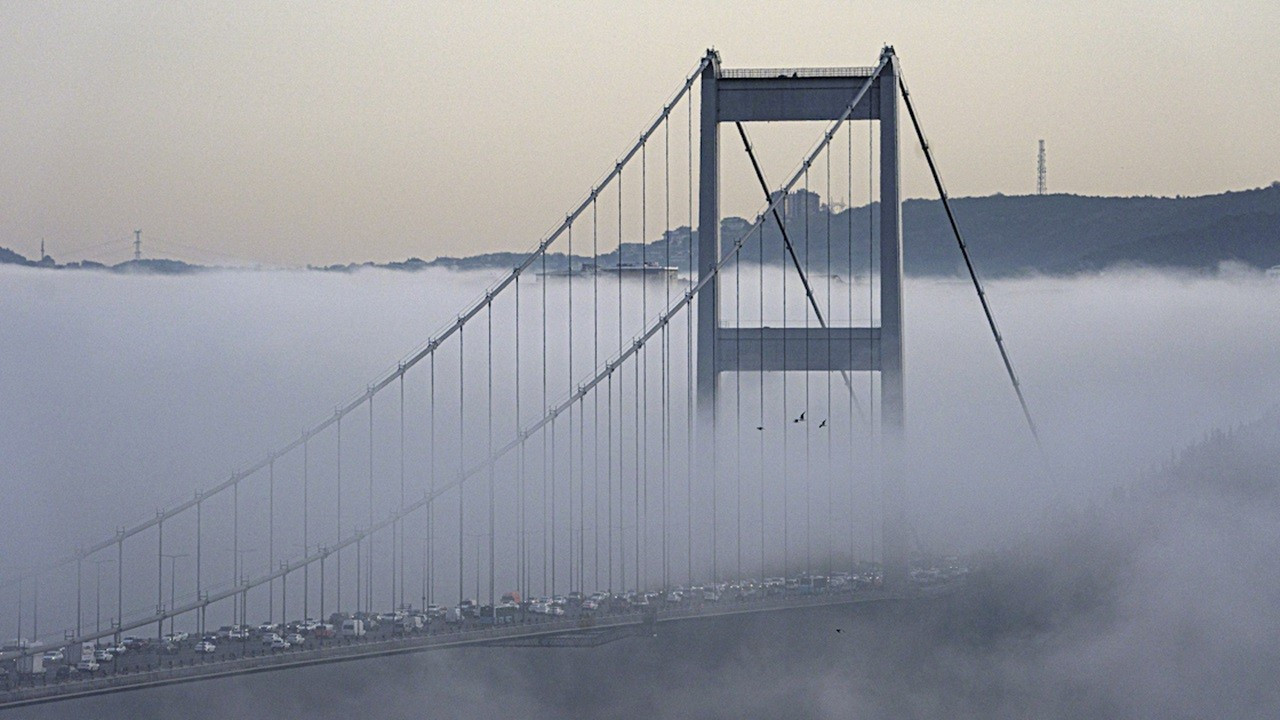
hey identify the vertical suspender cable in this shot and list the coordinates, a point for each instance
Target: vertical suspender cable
(431, 485)
(595, 363)
(522, 543)
(569, 424)
(199, 560)
(622, 533)
(271, 537)
(338, 500)
(642, 392)
(306, 526)
(545, 471)
(786, 409)
(871, 300)
(688, 349)
(489, 450)
(804, 427)
(762, 425)
(236, 618)
(551, 483)
(159, 581)
(830, 528)
(400, 523)
(462, 465)
(666, 348)
(582, 499)
(368, 578)
(737, 410)
(609, 479)
(849, 314)
(760, 428)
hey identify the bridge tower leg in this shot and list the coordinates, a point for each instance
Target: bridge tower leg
(892, 363)
(708, 237)
(708, 256)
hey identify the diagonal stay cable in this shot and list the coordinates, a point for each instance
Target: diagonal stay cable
(786, 240)
(968, 261)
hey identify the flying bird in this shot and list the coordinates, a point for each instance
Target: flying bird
(801, 418)
(822, 424)
(759, 427)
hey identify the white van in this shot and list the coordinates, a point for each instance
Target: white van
(352, 628)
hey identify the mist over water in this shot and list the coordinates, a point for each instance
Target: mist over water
(124, 394)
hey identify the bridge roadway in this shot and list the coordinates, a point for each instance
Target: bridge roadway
(531, 631)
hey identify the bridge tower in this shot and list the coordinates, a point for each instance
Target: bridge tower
(804, 95)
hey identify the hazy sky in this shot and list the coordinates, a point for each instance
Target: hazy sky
(317, 132)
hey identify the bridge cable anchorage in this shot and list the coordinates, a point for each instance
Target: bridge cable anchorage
(795, 261)
(239, 587)
(407, 363)
(968, 262)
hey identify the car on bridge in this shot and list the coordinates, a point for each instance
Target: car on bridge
(205, 647)
(135, 643)
(467, 607)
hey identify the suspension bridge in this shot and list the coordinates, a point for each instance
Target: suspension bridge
(621, 431)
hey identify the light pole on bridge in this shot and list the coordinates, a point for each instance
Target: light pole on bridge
(239, 609)
(97, 604)
(173, 563)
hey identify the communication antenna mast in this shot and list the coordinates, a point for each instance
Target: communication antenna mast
(137, 234)
(1041, 172)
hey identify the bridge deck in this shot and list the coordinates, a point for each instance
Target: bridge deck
(343, 652)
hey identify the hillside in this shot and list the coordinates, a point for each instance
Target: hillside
(1008, 235)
